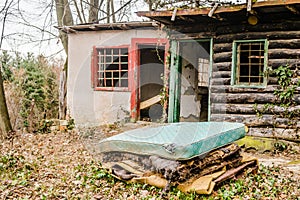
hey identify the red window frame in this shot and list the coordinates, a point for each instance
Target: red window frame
(108, 71)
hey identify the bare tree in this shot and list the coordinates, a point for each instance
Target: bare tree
(5, 125)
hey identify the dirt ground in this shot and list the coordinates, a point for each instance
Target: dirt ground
(59, 165)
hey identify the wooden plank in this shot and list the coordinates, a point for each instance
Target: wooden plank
(150, 102)
(223, 9)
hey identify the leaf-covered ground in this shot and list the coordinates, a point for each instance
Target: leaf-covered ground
(58, 166)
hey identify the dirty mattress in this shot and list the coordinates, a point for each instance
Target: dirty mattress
(176, 141)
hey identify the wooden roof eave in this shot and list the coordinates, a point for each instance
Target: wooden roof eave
(220, 9)
(111, 26)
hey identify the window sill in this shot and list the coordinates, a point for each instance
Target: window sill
(112, 89)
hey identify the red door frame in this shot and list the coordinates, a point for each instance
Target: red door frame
(135, 70)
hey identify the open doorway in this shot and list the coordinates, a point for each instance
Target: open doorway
(194, 93)
(151, 72)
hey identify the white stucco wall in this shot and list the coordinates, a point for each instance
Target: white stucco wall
(86, 106)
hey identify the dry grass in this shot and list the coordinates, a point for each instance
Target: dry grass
(58, 166)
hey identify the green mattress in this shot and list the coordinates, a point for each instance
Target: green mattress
(176, 141)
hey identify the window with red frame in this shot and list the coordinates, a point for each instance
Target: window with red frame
(111, 68)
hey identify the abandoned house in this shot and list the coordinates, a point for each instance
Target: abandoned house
(113, 69)
(222, 63)
(253, 52)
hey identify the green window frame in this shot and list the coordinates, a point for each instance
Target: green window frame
(249, 63)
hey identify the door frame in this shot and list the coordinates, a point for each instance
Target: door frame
(175, 78)
(134, 74)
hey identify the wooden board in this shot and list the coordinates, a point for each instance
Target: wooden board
(150, 102)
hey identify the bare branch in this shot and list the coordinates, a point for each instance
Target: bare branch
(78, 12)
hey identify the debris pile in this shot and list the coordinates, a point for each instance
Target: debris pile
(199, 173)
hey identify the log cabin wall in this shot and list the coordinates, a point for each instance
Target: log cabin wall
(240, 104)
(278, 22)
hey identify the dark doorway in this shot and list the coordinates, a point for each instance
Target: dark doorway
(151, 81)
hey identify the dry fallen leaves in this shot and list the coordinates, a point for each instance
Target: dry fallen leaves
(58, 166)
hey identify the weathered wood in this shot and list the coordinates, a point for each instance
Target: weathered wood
(252, 120)
(222, 47)
(150, 102)
(258, 35)
(284, 61)
(222, 66)
(289, 44)
(272, 81)
(233, 172)
(5, 124)
(279, 133)
(242, 28)
(284, 53)
(225, 28)
(251, 109)
(243, 98)
(222, 57)
(221, 74)
(221, 81)
(249, 98)
(230, 89)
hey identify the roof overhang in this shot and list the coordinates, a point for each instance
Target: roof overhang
(109, 26)
(233, 13)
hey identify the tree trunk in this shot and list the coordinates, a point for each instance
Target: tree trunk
(108, 11)
(93, 11)
(5, 125)
(64, 18)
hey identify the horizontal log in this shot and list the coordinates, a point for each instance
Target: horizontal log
(222, 66)
(222, 47)
(290, 44)
(283, 53)
(231, 89)
(242, 98)
(241, 28)
(255, 121)
(272, 81)
(248, 98)
(279, 62)
(221, 81)
(222, 57)
(227, 81)
(278, 133)
(221, 74)
(251, 109)
(258, 35)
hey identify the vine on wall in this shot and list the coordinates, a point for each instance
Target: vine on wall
(285, 105)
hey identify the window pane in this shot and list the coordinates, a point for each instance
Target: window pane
(250, 63)
(112, 68)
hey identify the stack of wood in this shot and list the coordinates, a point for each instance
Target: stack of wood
(219, 165)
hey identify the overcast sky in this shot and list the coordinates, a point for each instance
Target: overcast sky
(29, 27)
